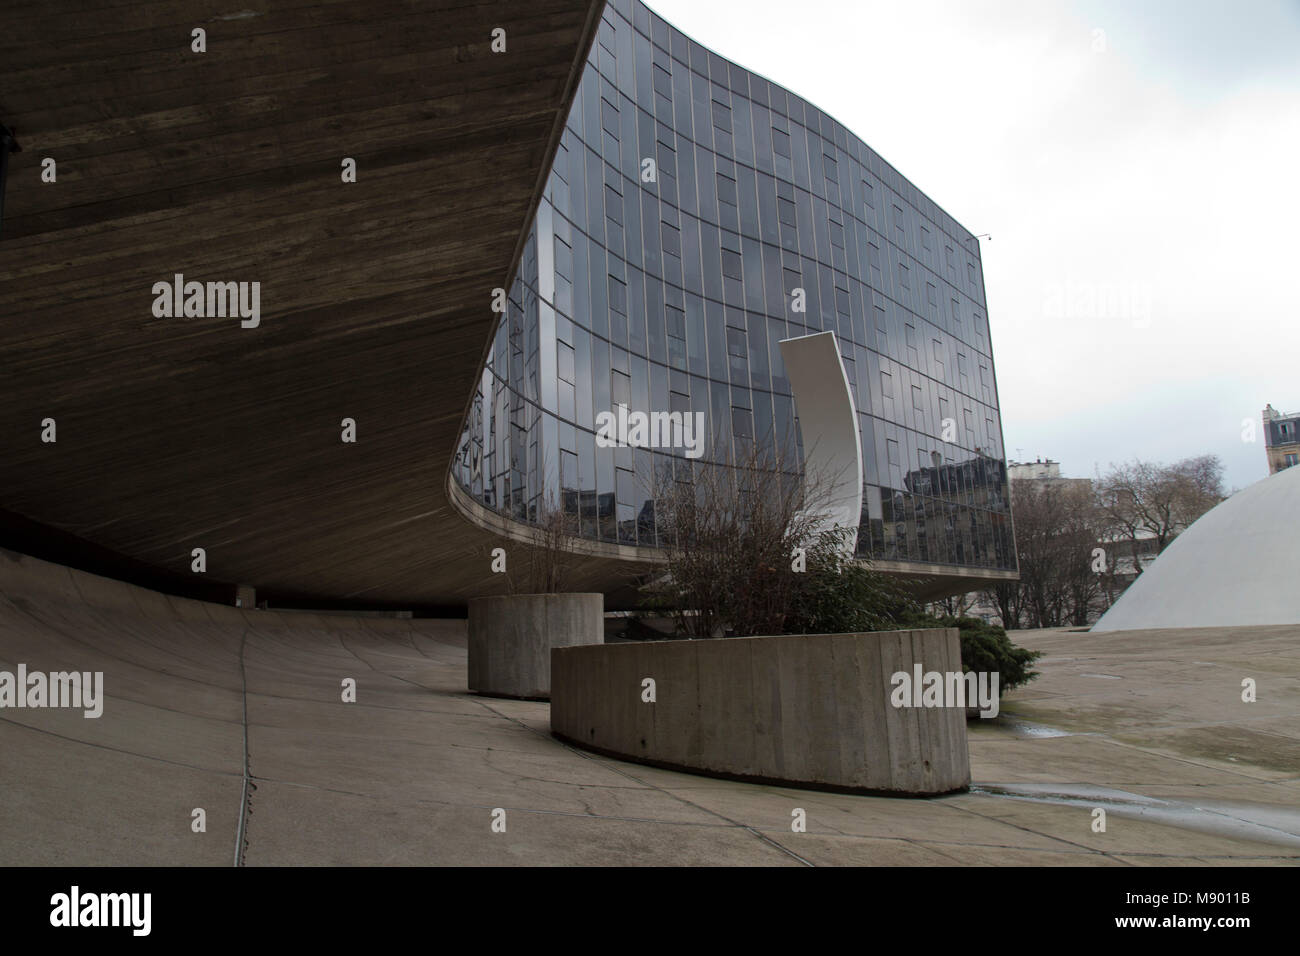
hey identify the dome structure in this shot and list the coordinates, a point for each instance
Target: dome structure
(1238, 564)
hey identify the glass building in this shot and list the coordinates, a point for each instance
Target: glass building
(688, 199)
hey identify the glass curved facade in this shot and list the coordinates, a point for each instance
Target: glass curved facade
(688, 200)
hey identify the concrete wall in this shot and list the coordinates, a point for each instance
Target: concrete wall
(809, 709)
(510, 639)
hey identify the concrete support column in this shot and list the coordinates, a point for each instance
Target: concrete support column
(511, 636)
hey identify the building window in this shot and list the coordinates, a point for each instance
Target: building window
(564, 360)
(730, 264)
(609, 117)
(671, 237)
(620, 388)
(1291, 460)
(721, 116)
(842, 301)
(726, 189)
(742, 423)
(736, 342)
(785, 212)
(563, 258)
(663, 82)
(780, 142)
(613, 204)
(676, 322)
(617, 296)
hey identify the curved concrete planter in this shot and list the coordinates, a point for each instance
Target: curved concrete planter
(510, 639)
(809, 710)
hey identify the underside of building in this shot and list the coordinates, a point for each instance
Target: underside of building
(369, 176)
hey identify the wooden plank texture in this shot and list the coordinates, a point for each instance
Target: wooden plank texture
(179, 433)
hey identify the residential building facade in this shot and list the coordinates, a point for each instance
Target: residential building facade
(1281, 439)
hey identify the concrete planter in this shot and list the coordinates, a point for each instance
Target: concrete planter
(510, 639)
(810, 710)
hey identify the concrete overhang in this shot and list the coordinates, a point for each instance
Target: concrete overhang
(225, 166)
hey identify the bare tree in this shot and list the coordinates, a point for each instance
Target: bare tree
(1080, 581)
(731, 529)
(1039, 512)
(539, 554)
(1160, 500)
(1198, 487)
(1058, 526)
(1006, 597)
(1061, 524)
(548, 555)
(955, 605)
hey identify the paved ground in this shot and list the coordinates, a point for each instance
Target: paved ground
(1147, 725)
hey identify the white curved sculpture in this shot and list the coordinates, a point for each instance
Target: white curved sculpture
(828, 422)
(1238, 564)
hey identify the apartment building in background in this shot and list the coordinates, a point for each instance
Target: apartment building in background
(1281, 439)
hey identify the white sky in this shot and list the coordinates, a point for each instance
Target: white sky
(1143, 199)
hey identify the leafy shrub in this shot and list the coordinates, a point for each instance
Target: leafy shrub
(837, 595)
(985, 647)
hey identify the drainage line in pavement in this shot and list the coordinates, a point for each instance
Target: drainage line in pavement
(243, 796)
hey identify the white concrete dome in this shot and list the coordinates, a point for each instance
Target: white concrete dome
(1238, 564)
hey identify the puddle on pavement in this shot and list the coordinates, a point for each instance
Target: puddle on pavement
(1025, 728)
(1265, 823)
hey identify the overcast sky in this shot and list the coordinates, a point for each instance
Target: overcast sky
(1138, 167)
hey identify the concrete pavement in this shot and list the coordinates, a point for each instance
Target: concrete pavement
(411, 772)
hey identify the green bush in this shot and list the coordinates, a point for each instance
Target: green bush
(985, 647)
(837, 595)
